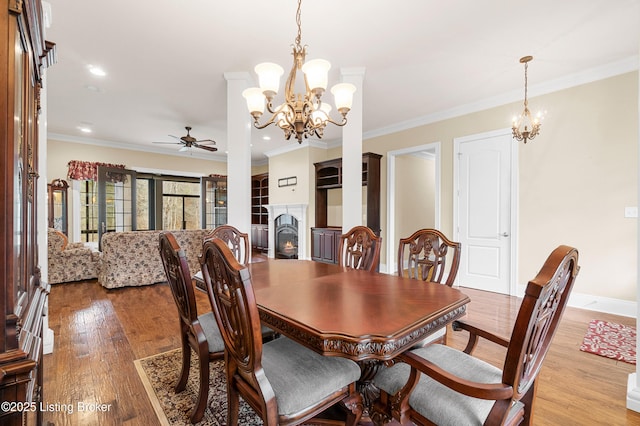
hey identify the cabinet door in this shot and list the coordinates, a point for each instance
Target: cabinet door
(328, 247)
(316, 244)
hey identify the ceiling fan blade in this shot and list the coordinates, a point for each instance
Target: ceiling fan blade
(175, 137)
(206, 141)
(208, 148)
(168, 143)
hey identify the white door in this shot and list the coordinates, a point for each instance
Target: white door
(485, 224)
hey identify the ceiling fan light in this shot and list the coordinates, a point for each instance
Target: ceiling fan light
(255, 100)
(269, 78)
(317, 74)
(183, 149)
(343, 95)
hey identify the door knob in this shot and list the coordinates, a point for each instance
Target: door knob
(505, 234)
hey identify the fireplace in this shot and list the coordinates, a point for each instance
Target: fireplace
(286, 237)
(299, 213)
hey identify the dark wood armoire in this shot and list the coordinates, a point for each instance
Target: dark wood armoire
(24, 55)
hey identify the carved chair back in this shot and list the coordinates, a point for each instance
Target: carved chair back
(235, 308)
(197, 332)
(544, 302)
(360, 249)
(176, 268)
(237, 241)
(429, 256)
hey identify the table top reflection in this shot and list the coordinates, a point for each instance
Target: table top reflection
(351, 313)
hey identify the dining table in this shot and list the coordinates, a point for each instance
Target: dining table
(368, 317)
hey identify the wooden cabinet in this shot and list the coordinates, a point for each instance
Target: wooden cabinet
(259, 214)
(329, 176)
(260, 237)
(25, 55)
(325, 243)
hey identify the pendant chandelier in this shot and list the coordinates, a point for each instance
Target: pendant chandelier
(302, 114)
(525, 127)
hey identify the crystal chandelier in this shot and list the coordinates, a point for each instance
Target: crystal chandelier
(302, 114)
(525, 127)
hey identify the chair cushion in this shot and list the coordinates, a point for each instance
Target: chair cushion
(212, 332)
(300, 377)
(437, 402)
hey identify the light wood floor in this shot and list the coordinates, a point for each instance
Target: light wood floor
(99, 333)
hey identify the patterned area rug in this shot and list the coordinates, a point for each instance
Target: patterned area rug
(159, 373)
(610, 340)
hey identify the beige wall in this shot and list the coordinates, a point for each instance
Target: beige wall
(415, 194)
(574, 179)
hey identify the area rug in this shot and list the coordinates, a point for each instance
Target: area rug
(159, 373)
(611, 340)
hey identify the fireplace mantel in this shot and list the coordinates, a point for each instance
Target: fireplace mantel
(299, 211)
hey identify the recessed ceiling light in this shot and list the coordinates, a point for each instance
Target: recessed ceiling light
(266, 138)
(97, 71)
(92, 88)
(84, 129)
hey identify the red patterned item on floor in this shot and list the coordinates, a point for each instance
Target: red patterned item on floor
(611, 340)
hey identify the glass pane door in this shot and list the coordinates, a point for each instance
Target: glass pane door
(116, 200)
(214, 202)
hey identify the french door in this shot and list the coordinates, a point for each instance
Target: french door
(116, 200)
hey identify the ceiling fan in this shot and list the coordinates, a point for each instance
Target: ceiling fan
(189, 141)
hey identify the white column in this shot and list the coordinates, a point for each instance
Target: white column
(239, 153)
(633, 383)
(352, 153)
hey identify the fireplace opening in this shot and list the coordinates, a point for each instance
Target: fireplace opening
(286, 237)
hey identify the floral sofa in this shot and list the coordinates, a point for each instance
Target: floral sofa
(132, 258)
(69, 261)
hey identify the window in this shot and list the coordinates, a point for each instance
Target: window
(180, 205)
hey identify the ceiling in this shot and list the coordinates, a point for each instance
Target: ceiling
(423, 59)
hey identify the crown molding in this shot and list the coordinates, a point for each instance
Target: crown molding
(587, 76)
(133, 147)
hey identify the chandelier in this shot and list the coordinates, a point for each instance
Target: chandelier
(302, 114)
(525, 127)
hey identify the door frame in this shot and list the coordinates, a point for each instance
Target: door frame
(391, 245)
(513, 231)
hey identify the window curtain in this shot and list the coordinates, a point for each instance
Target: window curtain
(87, 170)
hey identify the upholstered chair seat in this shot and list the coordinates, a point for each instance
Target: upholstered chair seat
(300, 377)
(444, 406)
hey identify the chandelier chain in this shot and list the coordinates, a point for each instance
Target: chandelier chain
(299, 23)
(526, 65)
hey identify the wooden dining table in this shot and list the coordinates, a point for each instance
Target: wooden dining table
(368, 317)
(355, 314)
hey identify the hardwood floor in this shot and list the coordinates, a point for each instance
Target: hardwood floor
(100, 332)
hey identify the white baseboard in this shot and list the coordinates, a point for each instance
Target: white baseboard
(608, 305)
(625, 308)
(633, 393)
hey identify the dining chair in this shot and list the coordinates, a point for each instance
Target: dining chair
(237, 241)
(360, 249)
(428, 255)
(197, 332)
(283, 381)
(438, 384)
